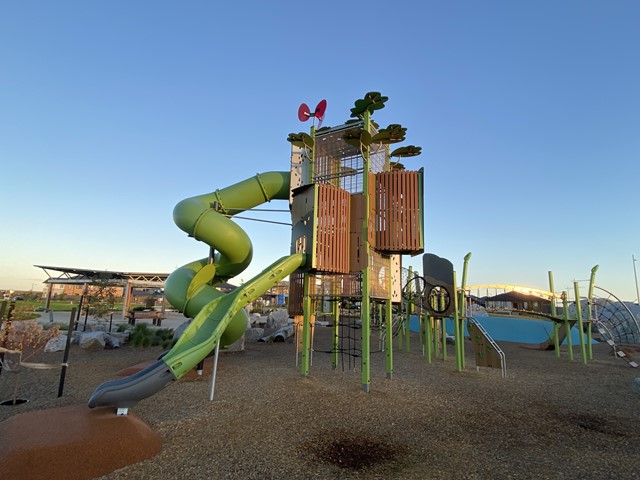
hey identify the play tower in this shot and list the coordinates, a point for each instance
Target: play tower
(354, 214)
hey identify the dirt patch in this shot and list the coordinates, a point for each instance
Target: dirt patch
(353, 451)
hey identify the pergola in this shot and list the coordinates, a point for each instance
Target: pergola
(84, 276)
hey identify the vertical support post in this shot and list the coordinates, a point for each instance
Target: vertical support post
(335, 314)
(465, 266)
(567, 327)
(421, 333)
(127, 299)
(365, 307)
(428, 340)
(84, 292)
(583, 349)
(47, 304)
(214, 370)
(456, 327)
(592, 282)
(556, 329)
(67, 347)
(306, 326)
(443, 331)
(389, 338)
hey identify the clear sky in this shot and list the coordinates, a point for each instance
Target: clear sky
(528, 113)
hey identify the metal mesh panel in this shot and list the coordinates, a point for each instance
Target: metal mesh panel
(348, 285)
(340, 164)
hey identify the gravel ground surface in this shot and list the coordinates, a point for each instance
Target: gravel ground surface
(549, 418)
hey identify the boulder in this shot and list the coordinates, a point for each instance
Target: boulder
(92, 341)
(278, 319)
(257, 320)
(254, 334)
(56, 344)
(280, 335)
(111, 341)
(635, 386)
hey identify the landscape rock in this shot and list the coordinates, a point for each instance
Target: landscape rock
(635, 386)
(93, 341)
(257, 320)
(278, 319)
(111, 341)
(254, 334)
(56, 344)
(280, 335)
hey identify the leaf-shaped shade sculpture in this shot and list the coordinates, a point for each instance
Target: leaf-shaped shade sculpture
(356, 137)
(396, 166)
(377, 100)
(394, 133)
(408, 151)
(300, 140)
(372, 101)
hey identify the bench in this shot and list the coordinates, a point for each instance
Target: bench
(156, 316)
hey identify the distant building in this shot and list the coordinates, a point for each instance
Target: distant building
(517, 301)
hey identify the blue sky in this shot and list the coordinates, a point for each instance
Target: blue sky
(528, 114)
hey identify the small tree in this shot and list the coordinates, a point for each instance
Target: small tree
(101, 299)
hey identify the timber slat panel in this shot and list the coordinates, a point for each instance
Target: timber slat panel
(398, 211)
(332, 232)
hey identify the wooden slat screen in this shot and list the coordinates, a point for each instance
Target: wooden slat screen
(398, 212)
(332, 230)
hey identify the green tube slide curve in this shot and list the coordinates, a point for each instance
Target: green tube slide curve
(191, 288)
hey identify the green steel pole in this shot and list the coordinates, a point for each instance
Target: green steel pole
(556, 339)
(428, 341)
(312, 158)
(365, 312)
(462, 307)
(567, 327)
(389, 337)
(592, 282)
(456, 326)
(306, 326)
(583, 349)
(443, 336)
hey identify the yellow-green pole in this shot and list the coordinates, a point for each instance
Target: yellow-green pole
(456, 327)
(365, 307)
(306, 326)
(443, 331)
(583, 349)
(428, 341)
(462, 307)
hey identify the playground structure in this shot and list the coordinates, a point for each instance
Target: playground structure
(436, 300)
(354, 212)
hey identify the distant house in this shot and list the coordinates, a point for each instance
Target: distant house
(518, 301)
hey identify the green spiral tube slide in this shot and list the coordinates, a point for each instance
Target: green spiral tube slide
(191, 288)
